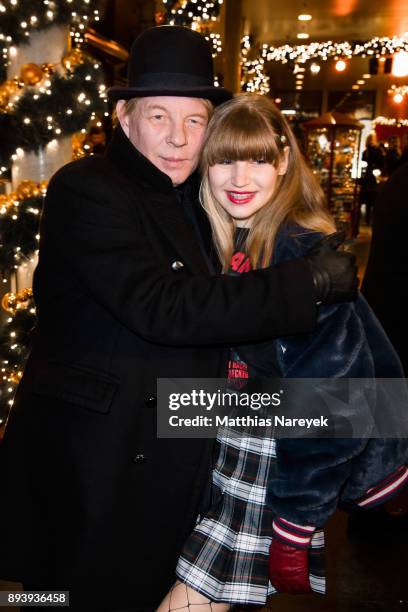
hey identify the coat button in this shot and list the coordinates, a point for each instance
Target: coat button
(150, 401)
(177, 265)
(139, 458)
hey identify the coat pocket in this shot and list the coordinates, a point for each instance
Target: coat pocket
(75, 385)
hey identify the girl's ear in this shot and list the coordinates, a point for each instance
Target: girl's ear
(283, 164)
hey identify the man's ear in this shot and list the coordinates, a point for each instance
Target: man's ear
(283, 164)
(122, 116)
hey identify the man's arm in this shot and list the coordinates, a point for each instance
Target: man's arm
(109, 253)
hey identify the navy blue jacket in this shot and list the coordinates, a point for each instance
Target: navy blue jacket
(313, 476)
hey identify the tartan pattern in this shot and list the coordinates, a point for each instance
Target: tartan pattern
(226, 556)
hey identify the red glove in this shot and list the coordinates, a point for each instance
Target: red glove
(289, 557)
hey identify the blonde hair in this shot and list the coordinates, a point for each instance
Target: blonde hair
(251, 127)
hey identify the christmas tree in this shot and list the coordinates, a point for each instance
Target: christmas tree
(50, 91)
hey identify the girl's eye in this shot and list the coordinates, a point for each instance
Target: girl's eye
(225, 162)
(260, 161)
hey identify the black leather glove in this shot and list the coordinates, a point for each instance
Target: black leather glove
(334, 272)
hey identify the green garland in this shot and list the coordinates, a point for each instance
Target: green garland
(66, 104)
(15, 343)
(19, 18)
(18, 234)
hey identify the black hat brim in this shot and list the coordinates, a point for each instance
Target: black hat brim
(217, 95)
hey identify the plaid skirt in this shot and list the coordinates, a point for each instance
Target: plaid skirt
(226, 556)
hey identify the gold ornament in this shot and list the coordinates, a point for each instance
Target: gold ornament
(48, 69)
(77, 141)
(160, 17)
(43, 186)
(23, 299)
(27, 189)
(8, 303)
(10, 87)
(74, 58)
(31, 74)
(15, 377)
(4, 100)
(6, 201)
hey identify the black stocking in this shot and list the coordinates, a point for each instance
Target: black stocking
(182, 598)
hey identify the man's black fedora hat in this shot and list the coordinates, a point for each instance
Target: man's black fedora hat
(170, 61)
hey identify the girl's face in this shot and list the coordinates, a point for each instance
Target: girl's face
(244, 187)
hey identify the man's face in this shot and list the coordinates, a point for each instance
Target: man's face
(169, 131)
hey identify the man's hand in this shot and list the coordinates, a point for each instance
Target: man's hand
(334, 272)
(288, 568)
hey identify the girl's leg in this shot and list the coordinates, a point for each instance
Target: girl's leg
(184, 599)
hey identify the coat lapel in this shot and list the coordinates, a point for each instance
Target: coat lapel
(168, 215)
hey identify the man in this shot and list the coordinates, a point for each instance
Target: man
(94, 503)
(385, 278)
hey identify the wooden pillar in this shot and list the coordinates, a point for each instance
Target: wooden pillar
(232, 14)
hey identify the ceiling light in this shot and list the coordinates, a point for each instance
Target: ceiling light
(400, 64)
(360, 82)
(398, 98)
(304, 17)
(303, 35)
(367, 76)
(315, 68)
(340, 65)
(355, 87)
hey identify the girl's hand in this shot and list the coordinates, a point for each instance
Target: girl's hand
(289, 568)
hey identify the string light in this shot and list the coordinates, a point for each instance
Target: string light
(325, 50)
(321, 51)
(390, 122)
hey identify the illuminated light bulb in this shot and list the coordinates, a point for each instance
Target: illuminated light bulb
(315, 68)
(400, 64)
(340, 65)
(302, 35)
(27, 120)
(367, 76)
(398, 98)
(355, 87)
(360, 82)
(304, 17)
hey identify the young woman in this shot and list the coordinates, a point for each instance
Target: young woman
(271, 498)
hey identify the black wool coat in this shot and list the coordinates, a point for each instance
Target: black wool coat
(91, 500)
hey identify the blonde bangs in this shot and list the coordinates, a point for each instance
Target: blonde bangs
(238, 137)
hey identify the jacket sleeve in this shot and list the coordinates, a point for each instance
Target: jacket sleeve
(105, 245)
